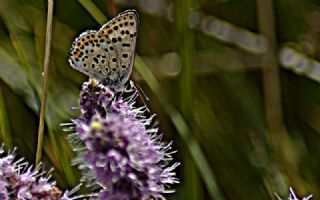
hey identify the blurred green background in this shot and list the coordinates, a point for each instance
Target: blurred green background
(234, 83)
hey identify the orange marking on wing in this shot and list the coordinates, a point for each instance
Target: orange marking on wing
(105, 31)
(80, 44)
(76, 53)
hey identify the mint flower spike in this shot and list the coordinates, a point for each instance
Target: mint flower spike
(120, 153)
(18, 180)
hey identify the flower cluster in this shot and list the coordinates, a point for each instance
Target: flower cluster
(20, 181)
(119, 151)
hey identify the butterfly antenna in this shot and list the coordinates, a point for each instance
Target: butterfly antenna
(140, 91)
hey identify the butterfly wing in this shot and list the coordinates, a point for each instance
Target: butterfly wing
(122, 32)
(108, 54)
(88, 56)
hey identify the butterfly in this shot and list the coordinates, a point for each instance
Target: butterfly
(107, 55)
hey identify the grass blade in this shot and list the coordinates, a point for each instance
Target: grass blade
(4, 123)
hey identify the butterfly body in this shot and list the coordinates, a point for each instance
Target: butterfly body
(107, 55)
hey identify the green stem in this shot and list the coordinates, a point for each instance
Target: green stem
(185, 39)
(94, 11)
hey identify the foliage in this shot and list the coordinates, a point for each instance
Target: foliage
(203, 65)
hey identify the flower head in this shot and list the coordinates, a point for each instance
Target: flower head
(122, 153)
(20, 181)
(94, 99)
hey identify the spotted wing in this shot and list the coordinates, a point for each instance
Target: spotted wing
(108, 54)
(89, 55)
(122, 33)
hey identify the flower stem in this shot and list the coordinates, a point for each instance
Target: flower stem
(45, 80)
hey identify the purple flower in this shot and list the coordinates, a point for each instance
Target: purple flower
(20, 181)
(94, 99)
(122, 155)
